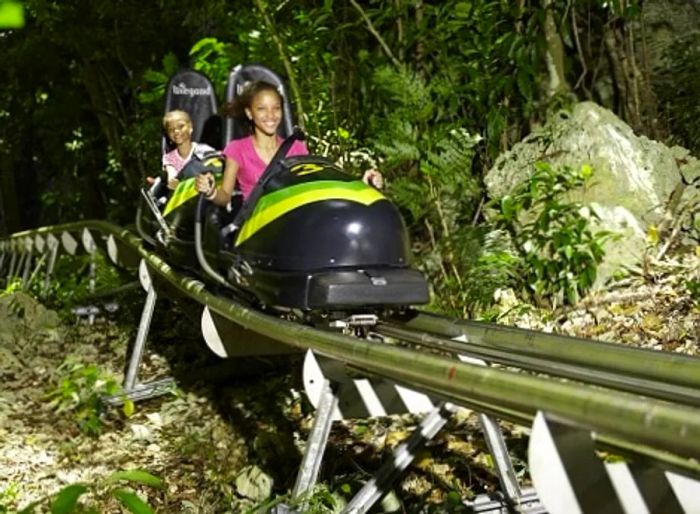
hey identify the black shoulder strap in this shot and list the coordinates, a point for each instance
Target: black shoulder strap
(271, 170)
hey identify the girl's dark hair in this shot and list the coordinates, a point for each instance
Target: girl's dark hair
(236, 108)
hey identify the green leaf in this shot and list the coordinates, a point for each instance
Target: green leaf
(203, 43)
(170, 64)
(155, 77)
(128, 408)
(454, 498)
(136, 475)
(507, 207)
(132, 502)
(524, 84)
(462, 9)
(586, 171)
(11, 15)
(67, 499)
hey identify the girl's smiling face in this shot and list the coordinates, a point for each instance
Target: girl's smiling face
(265, 112)
(179, 130)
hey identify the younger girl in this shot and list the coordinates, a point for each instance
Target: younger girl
(178, 129)
(247, 158)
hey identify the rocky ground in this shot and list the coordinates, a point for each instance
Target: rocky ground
(230, 434)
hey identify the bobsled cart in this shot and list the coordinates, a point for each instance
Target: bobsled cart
(308, 237)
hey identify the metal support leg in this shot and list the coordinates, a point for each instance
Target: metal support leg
(49, 267)
(11, 271)
(511, 496)
(132, 389)
(316, 445)
(39, 263)
(315, 448)
(140, 344)
(91, 286)
(19, 270)
(501, 458)
(27, 270)
(380, 483)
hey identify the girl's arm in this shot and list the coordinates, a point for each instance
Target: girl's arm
(219, 195)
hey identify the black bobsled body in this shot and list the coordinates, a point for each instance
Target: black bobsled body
(321, 239)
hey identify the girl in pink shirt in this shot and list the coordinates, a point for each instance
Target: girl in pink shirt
(250, 164)
(247, 158)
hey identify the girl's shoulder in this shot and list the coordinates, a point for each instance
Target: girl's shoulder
(238, 148)
(170, 153)
(242, 142)
(170, 157)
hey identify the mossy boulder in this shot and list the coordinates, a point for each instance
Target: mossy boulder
(637, 182)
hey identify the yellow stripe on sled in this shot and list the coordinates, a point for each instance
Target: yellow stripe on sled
(184, 191)
(366, 196)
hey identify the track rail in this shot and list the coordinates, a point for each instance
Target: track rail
(640, 401)
(673, 388)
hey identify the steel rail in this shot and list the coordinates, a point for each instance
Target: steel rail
(663, 367)
(660, 425)
(550, 366)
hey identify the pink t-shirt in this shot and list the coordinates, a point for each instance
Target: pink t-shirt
(251, 166)
(173, 162)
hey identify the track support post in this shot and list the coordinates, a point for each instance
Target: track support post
(90, 248)
(132, 389)
(141, 335)
(52, 245)
(316, 445)
(501, 459)
(11, 269)
(404, 454)
(315, 448)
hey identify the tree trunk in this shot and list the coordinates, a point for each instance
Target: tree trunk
(106, 106)
(636, 99)
(555, 54)
(9, 208)
(420, 46)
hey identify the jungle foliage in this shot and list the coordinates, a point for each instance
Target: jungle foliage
(433, 91)
(558, 250)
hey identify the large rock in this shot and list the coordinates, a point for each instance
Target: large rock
(637, 182)
(22, 315)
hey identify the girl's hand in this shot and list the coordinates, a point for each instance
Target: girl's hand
(204, 183)
(172, 183)
(374, 178)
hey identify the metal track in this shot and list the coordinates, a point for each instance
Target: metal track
(666, 388)
(639, 400)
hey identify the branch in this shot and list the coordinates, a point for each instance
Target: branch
(285, 61)
(374, 32)
(579, 49)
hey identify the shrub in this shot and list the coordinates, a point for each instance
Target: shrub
(67, 500)
(558, 249)
(82, 391)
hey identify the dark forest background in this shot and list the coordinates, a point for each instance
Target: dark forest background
(431, 91)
